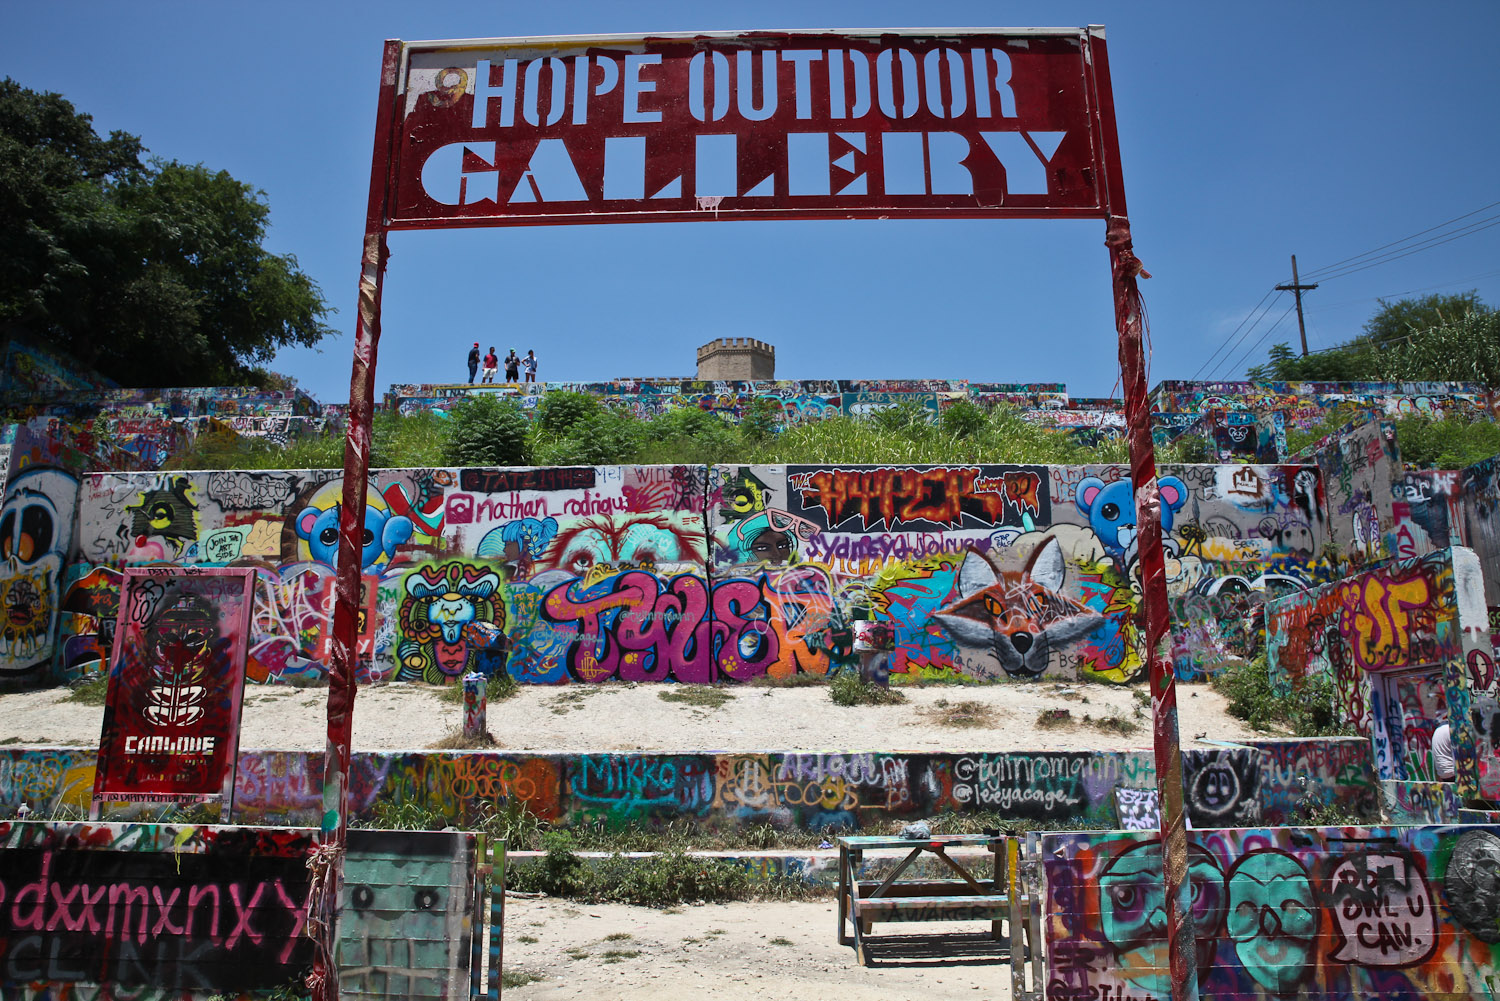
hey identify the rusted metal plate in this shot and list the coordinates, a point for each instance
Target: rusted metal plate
(764, 125)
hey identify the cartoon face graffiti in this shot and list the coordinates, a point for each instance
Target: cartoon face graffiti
(169, 511)
(1110, 508)
(1024, 618)
(451, 618)
(384, 531)
(521, 541)
(179, 645)
(1273, 919)
(630, 539)
(36, 530)
(1132, 912)
(1220, 788)
(26, 604)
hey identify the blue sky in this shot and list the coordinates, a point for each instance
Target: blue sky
(1249, 133)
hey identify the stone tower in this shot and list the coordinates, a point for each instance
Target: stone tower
(736, 359)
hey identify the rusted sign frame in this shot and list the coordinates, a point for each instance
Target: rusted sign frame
(1125, 271)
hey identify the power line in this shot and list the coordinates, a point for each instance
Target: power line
(1327, 306)
(1436, 241)
(1318, 272)
(1229, 341)
(1256, 346)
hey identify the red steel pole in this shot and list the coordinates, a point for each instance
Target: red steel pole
(328, 863)
(1178, 891)
(1126, 269)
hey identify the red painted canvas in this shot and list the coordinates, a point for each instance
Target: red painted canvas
(177, 674)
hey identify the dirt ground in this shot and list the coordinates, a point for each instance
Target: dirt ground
(734, 952)
(636, 718)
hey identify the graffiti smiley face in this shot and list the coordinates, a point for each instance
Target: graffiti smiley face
(1272, 919)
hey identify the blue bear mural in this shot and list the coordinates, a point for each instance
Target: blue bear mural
(530, 536)
(384, 531)
(1110, 508)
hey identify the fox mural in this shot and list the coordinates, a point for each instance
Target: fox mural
(1022, 617)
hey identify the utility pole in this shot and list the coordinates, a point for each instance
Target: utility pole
(1297, 290)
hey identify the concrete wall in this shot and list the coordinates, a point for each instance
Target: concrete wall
(700, 574)
(1319, 913)
(169, 912)
(1405, 645)
(1225, 787)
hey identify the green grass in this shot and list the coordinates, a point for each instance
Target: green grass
(497, 689)
(706, 696)
(518, 978)
(848, 690)
(91, 690)
(778, 940)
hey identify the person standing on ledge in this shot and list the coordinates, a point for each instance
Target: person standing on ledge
(1442, 752)
(512, 367)
(473, 362)
(530, 362)
(491, 362)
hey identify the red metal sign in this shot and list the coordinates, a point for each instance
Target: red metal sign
(172, 711)
(763, 125)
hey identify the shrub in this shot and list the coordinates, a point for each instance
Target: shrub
(485, 431)
(562, 413)
(759, 423)
(1308, 708)
(963, 419)
(849, 689)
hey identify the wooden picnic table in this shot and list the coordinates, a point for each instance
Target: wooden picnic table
(960, 897)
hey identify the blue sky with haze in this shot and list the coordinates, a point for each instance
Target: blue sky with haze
(1249, 132)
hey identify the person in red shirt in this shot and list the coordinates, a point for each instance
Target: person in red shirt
(491, 362)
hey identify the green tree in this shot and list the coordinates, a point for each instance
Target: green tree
(1399, 319)
(151, 273)
(1444, 338)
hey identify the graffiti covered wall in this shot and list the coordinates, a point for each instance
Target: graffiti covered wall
(1405, 647)
(1018, 571)
(182, 912)
(700, 574)
(1318, 913)
(37, 516)
(1228, 786)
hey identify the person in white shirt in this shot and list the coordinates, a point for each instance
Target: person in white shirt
(529, 363)
(1442, 752)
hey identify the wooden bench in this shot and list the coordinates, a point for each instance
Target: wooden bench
(863, 902)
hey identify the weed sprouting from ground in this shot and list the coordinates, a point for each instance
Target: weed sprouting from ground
(90, 690)
(705, 696)
(798, 680)
(1113, 723)
(456, 740)
(498, 688)
(1053, 719)
(850, 690)
(518, 978)
(960, 714)
(573, 698)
